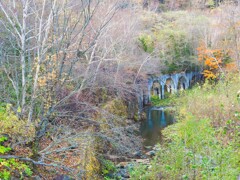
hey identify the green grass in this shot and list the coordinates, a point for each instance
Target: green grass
(169, 100)
(156, 101)
(204, 143)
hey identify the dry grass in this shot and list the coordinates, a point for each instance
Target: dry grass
(217, 102)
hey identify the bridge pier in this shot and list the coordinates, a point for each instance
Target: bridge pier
(170, 83)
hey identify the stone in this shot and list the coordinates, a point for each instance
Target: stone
(148, 147)
(122, 164)
(115, 158)
(63, 177)
(156, 148)
(130, 166)
(171, 81)
(123, 173)
(159, 176)
(142, 161)
(151, 153)
(36, 178)
(137, 154)
(128, 121)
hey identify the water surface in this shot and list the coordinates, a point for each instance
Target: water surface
(157, 119)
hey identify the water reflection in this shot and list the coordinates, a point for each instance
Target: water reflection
(157, 119)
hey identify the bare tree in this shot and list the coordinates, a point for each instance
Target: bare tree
(44, 30)
(52, 53)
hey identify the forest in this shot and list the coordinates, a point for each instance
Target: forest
(75, 99)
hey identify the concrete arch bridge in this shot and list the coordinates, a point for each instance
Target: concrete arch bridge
(171, 83)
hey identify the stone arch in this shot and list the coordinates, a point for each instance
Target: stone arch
(156, 88)
(182, 83)
(194, 80)
(169, 87)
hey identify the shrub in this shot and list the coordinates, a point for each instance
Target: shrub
(155, 100)
(140, 172)
(107, 167)
(192, 152)
(147, 43)
(9, 167)
(169, 100)
(195, 152)
(204, 143)
(17, 129)
(116, 107)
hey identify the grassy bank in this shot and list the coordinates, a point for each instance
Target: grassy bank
(204, 144)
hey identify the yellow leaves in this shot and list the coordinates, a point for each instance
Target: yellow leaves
(42, 81)
(238, 23)
(52, 75)
(209, 74)
(18, 129)
(48, 78)
(19, 109)
(54, 58)
(92, 167)
(48, 70)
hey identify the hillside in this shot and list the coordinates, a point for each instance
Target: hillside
(74, 79)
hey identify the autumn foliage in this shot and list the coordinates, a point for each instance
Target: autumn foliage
(215, 61)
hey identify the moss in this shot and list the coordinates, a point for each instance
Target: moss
(136, 116)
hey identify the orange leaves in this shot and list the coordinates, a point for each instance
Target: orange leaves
(213, 59)
(213, 63)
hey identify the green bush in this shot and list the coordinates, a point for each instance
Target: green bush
(107, 167)
(155, 100)
(193, 152)
(17, 129)
(116, 107)
(147, 43)
(140, 172)
(8, 167)
(196, 153)
(169, 100)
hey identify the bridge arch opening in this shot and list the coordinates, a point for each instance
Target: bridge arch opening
(182, 83)
(169, 87)
(194, 80)
(156, 89)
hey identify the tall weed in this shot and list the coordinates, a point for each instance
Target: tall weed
(204, 143)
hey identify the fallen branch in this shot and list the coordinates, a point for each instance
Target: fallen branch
(35, 162)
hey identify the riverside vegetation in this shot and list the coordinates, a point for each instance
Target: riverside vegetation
(204, 143)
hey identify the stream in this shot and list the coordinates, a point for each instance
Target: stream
(157, 119)
(150, 129)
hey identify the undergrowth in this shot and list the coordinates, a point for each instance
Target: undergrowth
(204, 143)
